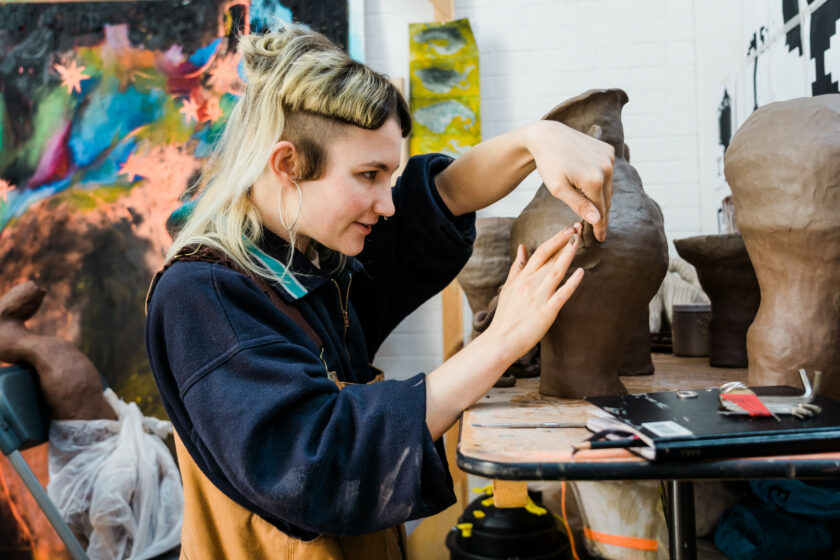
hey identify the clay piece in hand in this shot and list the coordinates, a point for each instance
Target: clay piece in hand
(782, 165)
(582, 352)
(70, 382)
(728, 278)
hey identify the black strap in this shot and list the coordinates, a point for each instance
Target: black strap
(216, 256)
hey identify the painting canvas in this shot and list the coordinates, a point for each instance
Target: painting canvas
(107, 111)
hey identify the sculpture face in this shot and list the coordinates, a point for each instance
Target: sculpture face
(783, 166)
(582, 352)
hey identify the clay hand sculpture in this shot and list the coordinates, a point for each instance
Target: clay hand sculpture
(783, 166)
(582, 352)
(70, 382)
(727, 276)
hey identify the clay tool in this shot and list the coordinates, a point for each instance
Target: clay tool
(737, 397)
(532, 425)
(610, 444)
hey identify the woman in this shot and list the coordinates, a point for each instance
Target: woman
(286, 446)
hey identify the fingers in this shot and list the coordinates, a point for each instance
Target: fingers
(596, 186)
(549, 248)
(587, 189)
(518, 263)
(607, 198)
(559, 264)
(564, 292)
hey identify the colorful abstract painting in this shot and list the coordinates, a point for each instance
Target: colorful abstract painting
(444, 98)
(107, 111)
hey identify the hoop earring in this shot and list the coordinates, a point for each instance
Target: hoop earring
(280, 207)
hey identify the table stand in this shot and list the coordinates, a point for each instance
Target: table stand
(509, 455)
(682, 541)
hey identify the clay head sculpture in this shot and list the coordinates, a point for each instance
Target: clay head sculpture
(727, 276)
(583, 350)
(489, 264)
(783, 166)
(70, 383)
(482, 277)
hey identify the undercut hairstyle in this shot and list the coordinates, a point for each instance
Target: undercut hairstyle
(299, 87)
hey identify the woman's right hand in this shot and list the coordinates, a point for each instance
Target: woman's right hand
(533, 295)
(528, 305)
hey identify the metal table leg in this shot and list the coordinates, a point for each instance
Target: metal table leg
(681, 529)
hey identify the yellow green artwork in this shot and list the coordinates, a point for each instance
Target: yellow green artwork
(445, 102)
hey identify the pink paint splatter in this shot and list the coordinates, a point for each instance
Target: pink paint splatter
(55, 159)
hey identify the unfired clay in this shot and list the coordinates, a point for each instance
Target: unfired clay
(783, 166)
(582, 352)
(489, 264)
(637, 359)
(69, 381)
(727, 276)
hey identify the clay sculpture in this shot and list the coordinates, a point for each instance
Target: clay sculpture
(783, 166)
(489, 264)
(526, 366)
(583, 350)
(70, 382)
(727, 276)
(637, 359)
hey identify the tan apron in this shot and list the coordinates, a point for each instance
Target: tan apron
(217, 527)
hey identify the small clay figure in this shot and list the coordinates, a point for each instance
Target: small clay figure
(783, 166)
(489, 264)
(70, 382)
(582, 352)
(727, 276)
(526, 366)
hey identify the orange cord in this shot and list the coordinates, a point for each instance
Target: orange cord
(566, 520)
(635, 543)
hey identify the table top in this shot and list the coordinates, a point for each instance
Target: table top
(546, 453)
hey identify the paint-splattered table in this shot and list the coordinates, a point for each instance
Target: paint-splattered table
(523, 454)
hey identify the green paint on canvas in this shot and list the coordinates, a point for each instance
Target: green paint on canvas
(52, 106)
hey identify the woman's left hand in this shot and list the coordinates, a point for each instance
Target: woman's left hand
(576, 168)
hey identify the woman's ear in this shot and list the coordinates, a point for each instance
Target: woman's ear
(282, 161)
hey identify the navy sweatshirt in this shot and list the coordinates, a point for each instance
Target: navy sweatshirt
(248, 393)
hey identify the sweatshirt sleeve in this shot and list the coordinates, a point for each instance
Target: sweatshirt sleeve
(413, 255)
(262, 414)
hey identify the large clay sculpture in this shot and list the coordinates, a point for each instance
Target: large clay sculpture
(583, 350)
(783, 166)
(637, 359)
(728, 278)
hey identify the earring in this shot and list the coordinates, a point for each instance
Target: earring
(300, 205)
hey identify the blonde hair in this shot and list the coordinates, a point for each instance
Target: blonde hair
(298, 85)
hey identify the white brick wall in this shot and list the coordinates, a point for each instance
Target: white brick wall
(537, 53)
